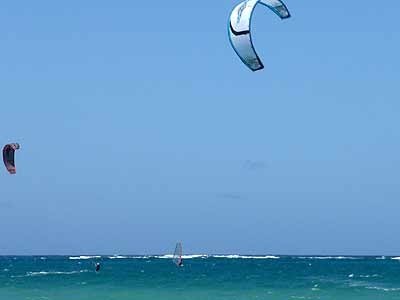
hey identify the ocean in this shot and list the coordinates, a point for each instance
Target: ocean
(230, 277)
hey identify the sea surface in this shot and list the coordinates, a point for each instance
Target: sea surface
(230, 277)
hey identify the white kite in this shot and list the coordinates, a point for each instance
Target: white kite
(239, 29)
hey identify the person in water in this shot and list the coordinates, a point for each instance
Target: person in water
(97, 267)
(180, 263)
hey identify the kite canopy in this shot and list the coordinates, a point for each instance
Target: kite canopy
(9, 157)
(239, 29)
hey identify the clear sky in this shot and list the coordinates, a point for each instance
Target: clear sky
(139, 126)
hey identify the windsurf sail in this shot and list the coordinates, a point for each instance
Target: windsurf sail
(177, 258)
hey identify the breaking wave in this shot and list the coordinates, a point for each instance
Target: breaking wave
(236, 256)
(129, 257)
(83, 257)
(370, 276)
(197, 256)
(328, 257)
(192, 256)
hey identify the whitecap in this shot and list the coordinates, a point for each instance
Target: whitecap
(369, 276)
(328, 257)
(382, 288)
(43, 273)
(189, 256)
(166, 256)
(236, 256)
(130, 257)
(194, 256)
(83, 257)
(118, 257)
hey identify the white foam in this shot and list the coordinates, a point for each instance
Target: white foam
(189, 256)
(328, 257)
(83, 257)
(129, 257)
(369, 276)
(194, 256)
(43, 273)
(395, 258)
(166, 256)
(236, 256)
(382, 288)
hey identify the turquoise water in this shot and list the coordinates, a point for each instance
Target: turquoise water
(66, 278)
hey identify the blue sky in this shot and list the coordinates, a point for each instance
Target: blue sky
(139, 126)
